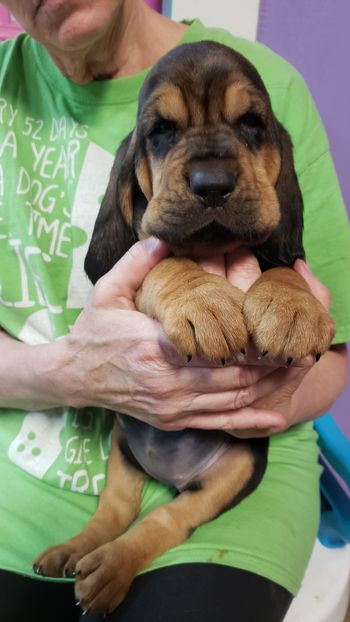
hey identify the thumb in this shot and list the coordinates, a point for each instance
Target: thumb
(319, 290)
(242, 268)
(120, 284)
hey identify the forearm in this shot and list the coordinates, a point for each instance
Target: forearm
(321, 385)
(28, 375)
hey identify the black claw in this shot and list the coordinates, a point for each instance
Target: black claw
(317, 357)
(263, 353)
(189, 358)
(38, 570)
(243, 351)
(223, 361)
(289, 361)
(75, 573)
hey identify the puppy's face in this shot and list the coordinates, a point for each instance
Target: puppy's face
(207, 155)
(207, 168)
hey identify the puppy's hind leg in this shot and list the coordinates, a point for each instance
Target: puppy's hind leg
(118, 506)
(105, 574)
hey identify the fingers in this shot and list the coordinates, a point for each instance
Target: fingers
(250, 392)
(259, 410)
(120, 284)
(214, 265)
(242, 268)
(244, 423)
(257, 432)
(246, 411)
(319, 290)
(195, 381)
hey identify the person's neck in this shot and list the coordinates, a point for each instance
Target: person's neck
(146, 37)
(135, 40)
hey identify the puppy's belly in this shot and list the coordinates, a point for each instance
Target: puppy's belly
(174, 458)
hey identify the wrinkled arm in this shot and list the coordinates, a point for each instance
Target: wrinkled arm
(321, 386)
(27, 374)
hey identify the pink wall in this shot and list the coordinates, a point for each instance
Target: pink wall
(8, 28)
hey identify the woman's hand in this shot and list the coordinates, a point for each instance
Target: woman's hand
(286, 396)
(118, 358)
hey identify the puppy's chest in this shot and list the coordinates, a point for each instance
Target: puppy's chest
(174, 458)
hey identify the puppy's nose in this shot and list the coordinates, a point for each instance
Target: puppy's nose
(211, 181)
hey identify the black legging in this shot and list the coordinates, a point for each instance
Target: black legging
(185, 592)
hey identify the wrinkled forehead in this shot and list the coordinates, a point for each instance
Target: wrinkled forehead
(203, 83)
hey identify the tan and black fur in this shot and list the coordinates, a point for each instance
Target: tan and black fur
(208, 168)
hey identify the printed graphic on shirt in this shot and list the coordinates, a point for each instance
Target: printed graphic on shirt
(38, 444)
(52, 180)
(69, 447)
(90, 189)
(55, 178)
(85, 439)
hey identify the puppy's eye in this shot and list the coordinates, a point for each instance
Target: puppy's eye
(162, 127)
(251, 121)
(251, 128)
(162, 136)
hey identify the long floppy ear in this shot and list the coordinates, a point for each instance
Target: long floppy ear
(114, 231)
(285, 244)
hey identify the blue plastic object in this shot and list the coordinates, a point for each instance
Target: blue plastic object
(334, 528)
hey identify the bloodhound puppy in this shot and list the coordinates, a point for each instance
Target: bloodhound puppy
(208, 168)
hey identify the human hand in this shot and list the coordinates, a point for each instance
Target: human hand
(242, 270)
(117, 358)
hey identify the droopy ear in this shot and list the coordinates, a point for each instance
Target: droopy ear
(285, 244)
(114, 231)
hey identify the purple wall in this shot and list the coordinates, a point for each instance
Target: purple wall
(314, 35)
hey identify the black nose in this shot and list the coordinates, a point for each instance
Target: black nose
(212, 181)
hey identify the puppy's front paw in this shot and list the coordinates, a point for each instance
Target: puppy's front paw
(285, 319)
(206, 320)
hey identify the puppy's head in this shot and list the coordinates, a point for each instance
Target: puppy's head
(207, 168)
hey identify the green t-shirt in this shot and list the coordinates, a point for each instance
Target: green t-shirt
(57, 143)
